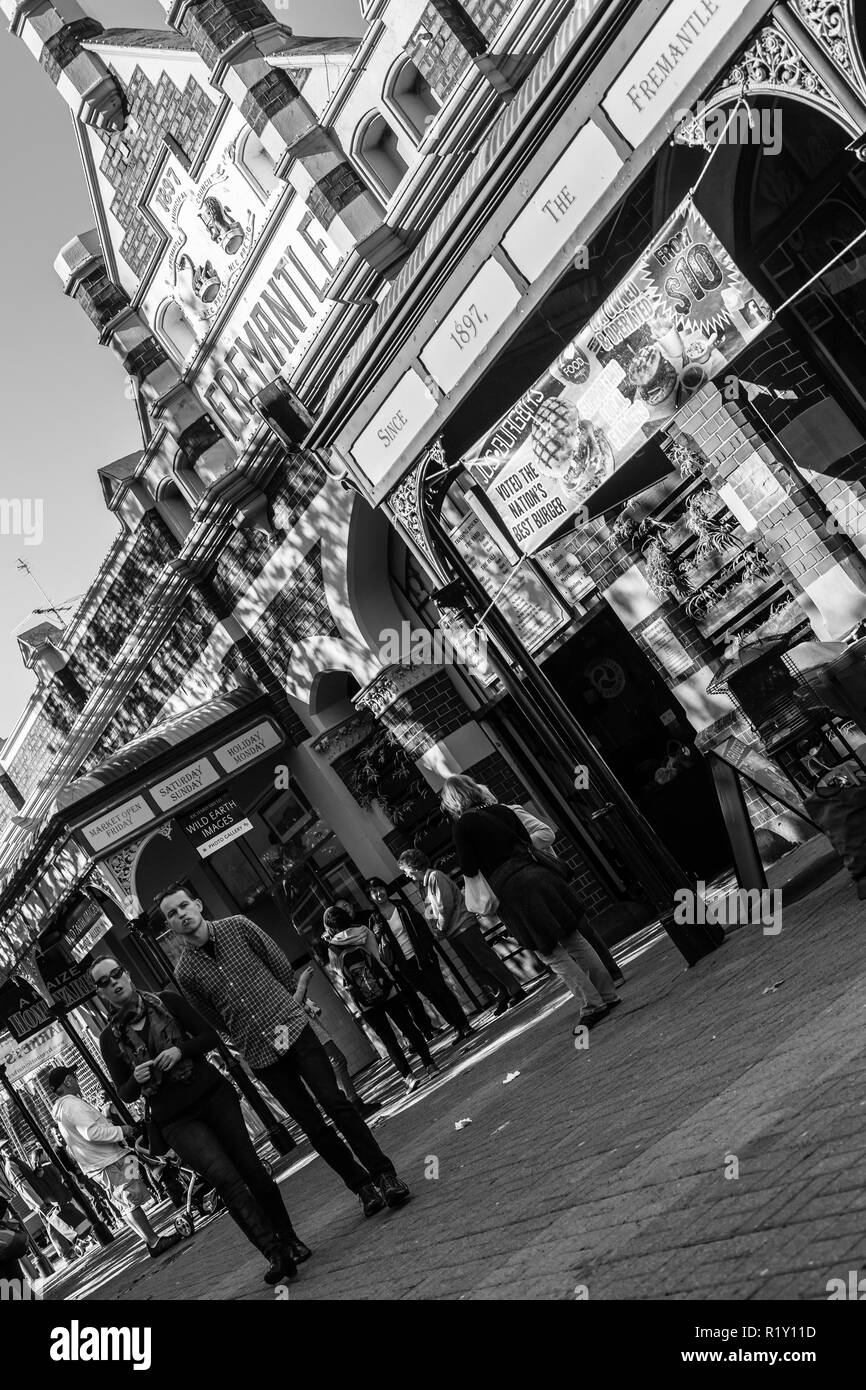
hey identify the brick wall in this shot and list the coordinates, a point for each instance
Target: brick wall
(426, 713)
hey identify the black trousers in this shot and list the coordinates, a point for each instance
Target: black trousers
(395, 1009)
(211, 1137)
(303, 1076)
(426, 977)
(483, 963)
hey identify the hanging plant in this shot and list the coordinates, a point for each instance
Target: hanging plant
(686, 457)
(381, 772)
(662, 575)
(715, 534)
(624, 528)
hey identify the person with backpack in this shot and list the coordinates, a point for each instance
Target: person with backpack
(237, 977)
(352, 955)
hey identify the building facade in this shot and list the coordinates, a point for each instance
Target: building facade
(348, 281)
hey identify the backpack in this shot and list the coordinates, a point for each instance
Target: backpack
(363, 977)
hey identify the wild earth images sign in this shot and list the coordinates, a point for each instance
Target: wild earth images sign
(678, 319)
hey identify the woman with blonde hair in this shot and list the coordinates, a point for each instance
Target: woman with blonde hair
(534, 899)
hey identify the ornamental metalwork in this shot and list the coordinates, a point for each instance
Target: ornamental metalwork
(344, 737)
(770, 66)
(832, 25)
(406, 505)
(389, 685)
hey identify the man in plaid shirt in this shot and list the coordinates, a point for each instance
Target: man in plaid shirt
(242, 983)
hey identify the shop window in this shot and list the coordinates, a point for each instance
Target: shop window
(176, 330)
(376, 148)
(410, 96)
(256, 165)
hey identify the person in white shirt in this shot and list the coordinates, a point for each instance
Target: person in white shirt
(103, 1150)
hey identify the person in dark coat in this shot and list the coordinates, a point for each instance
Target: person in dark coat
(408, 950)
(156, 1047)
(535, 901)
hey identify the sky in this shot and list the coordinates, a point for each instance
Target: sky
(62, 397)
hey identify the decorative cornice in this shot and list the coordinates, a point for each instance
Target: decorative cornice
(388, 685)
(344, 737)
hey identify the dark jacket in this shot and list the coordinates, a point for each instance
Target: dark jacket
(417, 930)
(172, 1098)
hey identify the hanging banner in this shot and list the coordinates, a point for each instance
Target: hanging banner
(680, 317)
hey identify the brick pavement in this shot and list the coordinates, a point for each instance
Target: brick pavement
(606, 1167)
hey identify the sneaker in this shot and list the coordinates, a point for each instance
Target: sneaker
(412, 1084)
(432, 1070)
(371, 1199)
(501, 1007)
(394, 1190)
(516, 999)
(464, 1035)
(163, 1243)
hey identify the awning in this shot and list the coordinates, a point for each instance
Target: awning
(156, 741)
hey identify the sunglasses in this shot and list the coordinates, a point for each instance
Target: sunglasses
(110, 978)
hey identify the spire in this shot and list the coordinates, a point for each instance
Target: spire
(56, 31)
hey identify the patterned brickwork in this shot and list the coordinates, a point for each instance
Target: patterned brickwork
(213, 26)
(339, 187)
(442, 57)
(34, 755)
(99, 297)
(425, 714)
(109, 626)
(158, 110)
(243, 557)
(63, 48)
(300, 610)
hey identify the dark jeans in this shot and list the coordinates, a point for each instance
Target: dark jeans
(379, 1019)
(304, 1075)
(426, 977)
(484, 964)
(211, 1137)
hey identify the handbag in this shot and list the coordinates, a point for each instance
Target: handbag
(480, 897)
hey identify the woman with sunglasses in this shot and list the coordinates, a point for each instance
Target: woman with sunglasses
(155, 1048)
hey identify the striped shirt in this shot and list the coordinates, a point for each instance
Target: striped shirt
(245, 989)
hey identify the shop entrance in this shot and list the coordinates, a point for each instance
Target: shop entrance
(643, 734)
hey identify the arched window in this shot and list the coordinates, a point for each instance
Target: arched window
(173, 508)
(376, 150)
(411, 98)
(256, 164)
(176, 330)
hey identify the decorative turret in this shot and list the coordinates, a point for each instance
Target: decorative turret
(170, 401)
(55, 31)
(235, 38)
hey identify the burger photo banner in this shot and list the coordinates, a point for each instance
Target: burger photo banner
(679, 318)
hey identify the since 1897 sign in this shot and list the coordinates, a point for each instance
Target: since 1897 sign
(681, 315)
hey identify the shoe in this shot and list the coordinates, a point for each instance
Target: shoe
(394, 1190)
(612, 1003)
(282, 1266)
(501, 1007)
(296, 1250)
(432, 1070)
(463, 1035)
(592, 1017)
(365, 1109)
(618, 978)
(412, 1084)
(371, 1199)
(163, 1243)
(516, 999)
